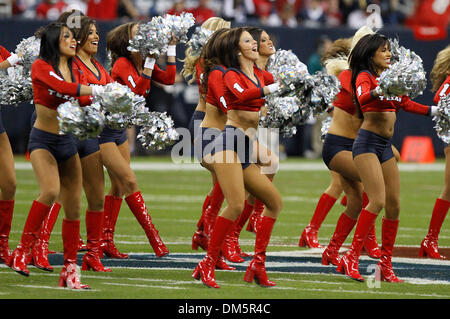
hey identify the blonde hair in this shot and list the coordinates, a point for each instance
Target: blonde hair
(190, 60)
(441, 68)
(335, 59)
(363, 31)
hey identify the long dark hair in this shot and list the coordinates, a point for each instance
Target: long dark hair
(117, 41)
(210, 55)
(50, 37)
(80, 28)
(361, 58)
(230, 56)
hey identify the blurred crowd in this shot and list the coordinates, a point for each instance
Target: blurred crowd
(290, 13)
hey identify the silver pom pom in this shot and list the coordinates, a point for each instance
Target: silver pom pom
(15, 86)
(198, 40)
(180, 25)
(405, 76)
(442, 119)
(118, 103)
(151, 38)
(287, 70)
(29, 48)
(325, 126)
(82, 122)
(157, 132)
(323, 92)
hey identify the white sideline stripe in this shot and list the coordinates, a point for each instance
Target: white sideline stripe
(407, 167)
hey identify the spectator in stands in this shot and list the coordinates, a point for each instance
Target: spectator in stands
(312, 15)
(334, 16)
(50, 9)
(109, 9)
(430, 19)
(346, 7)
(202, 12)
(238, 11)
(177, 8)
(364, 15)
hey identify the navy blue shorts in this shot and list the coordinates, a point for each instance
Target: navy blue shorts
(234, 139)
(194, 123)
(203, 141)
(334, 144)
(62, 147)
(110, 135)
(87, 147)
(369, 142)
(2, 128)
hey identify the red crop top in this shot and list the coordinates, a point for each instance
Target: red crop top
(166, 77)
(366, 83)
(241, 93)
(51, 90)
(215, 94)
(344, 99)
(268, 77)
(103, 77)
(443, 90)
(124, 72)
(4, 54)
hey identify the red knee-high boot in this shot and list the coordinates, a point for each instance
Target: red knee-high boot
(344, 226)
(230, 248)
(205, 268)
(139, 209)
(389, 230)
(257, 268)
(213, 209)
(6, 215)
(39, 252)
(258, 209)
(200, 239)
(429, 245)
(91, 259)
(309, 235)
(350, 261)
(19, 257)
(70, 234)
(110, 214)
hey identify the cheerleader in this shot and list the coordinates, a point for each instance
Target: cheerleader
(440, 78)
(373, 155)
(7, 173)
(137, 72)
(253, 207)
(244, 90)
(54, 157)
(214, 199)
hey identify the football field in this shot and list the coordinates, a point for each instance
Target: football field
(174, 194)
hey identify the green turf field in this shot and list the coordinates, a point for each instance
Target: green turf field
(175, 199)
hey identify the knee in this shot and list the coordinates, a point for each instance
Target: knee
(49, 195)
(129, 184)
(376, 204)
(96, 204)
(275, 205)
(235, 208)
(9, 190)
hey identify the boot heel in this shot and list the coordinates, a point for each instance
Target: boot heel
(422, 252)
(196, 273)
(302, 242)
(249, 274)
(325, 261)
(85, 266)
(194, 245)
(340, 269)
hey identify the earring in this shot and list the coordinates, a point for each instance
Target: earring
(239, 53)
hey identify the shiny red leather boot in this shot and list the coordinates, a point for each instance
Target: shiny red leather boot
(91, 259)
(257, 268)
(139, 210)
(258, 209)
(248, 209)
(309, 234)
(213, 209)
(429, 245)
(344, 226)
(19, 258)
(389, 230)
(39, 252)
(70, 234)
(204, 270)
(348, 264)
(371, 245)
(6, 215)
(110, 214)
(200, 239)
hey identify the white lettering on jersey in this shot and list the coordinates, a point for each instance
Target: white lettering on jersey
(55, 75)
(238, 88)
(222, 100)
(130, 79)
(359, 90)
(444, 90)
